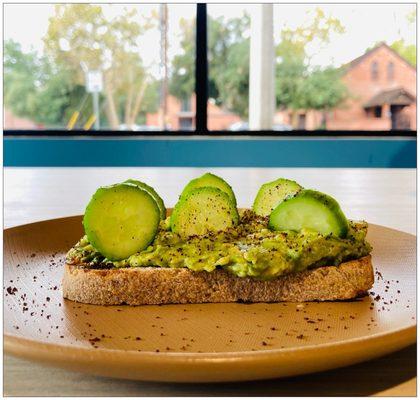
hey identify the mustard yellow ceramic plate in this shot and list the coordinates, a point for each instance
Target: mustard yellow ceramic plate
(202, 342)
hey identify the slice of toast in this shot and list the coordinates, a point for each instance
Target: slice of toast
(139, 286)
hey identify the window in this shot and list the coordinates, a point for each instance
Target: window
(225, 68)
(98, 66)
(186, 104)
(374, 71)
(186, 123)
(377, 112)
(390, 71)
(324, 57)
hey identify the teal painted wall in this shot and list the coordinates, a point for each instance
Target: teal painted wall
(190, 151)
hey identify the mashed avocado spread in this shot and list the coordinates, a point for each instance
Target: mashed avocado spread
(248, 250)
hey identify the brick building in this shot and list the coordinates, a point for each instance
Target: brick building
(382, 88)
(181, 115)
(11, 121)
(382, 96)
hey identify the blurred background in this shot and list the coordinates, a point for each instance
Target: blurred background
(324, 94)
(131, 68)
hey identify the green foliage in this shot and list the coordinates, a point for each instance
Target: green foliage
(34, 89)
(182, 82)
(299, 86)
(293, 42)
(290, 84)
(80, 33)
(324, 89)
(406, 51)
(228, 57)
(17, 68)
(412, 16)
(50, 88)
(233, 81)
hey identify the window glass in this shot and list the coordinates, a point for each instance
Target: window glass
(390, 71)
(374, 72)
(378, 112)
(228, 57)
(332, 68)
(282, 67)
(98, 66)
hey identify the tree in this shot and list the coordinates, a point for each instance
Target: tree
(18, 67)
(35, 89)
(182, 81)
(407, 51)
(228, 57)
(299, 85)
(81, 33)
(325, 91)
(412, 16)
(232, 82)
(229, 63)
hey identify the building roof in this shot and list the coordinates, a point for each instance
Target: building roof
(396, 97)
(359, 59)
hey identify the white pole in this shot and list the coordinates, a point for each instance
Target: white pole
(261, 69)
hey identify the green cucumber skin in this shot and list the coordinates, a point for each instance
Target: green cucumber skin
(260, 207)
(210, 180)
(326, 204)
(176, 224)
(153, 193)
(90, 222)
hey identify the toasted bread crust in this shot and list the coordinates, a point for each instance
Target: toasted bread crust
(140, 286)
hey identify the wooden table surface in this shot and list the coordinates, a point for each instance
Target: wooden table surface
(381, 196)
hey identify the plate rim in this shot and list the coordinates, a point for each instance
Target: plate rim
(12, 340)
(184, 368)
(56, 353)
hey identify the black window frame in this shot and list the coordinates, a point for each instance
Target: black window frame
(201, 117)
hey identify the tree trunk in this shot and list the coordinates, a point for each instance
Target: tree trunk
(324, 119)
(128, 104)
(294, 119)
(139, 99)
(111, 109)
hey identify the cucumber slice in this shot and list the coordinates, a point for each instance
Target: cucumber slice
(272, 193)
(203, 210)
(211, 180)
(153, 193)
(121, 220)
(311, 210)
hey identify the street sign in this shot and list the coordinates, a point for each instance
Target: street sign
(94, 82)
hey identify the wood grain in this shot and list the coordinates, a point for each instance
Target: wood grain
(381, 196)
(392, 375)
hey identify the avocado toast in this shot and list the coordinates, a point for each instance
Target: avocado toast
(294, 245)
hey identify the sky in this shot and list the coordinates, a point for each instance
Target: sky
(365, 24)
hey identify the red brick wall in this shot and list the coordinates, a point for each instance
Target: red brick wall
(172, 120)
(361, 87)
(12, 122)
(218, 118)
